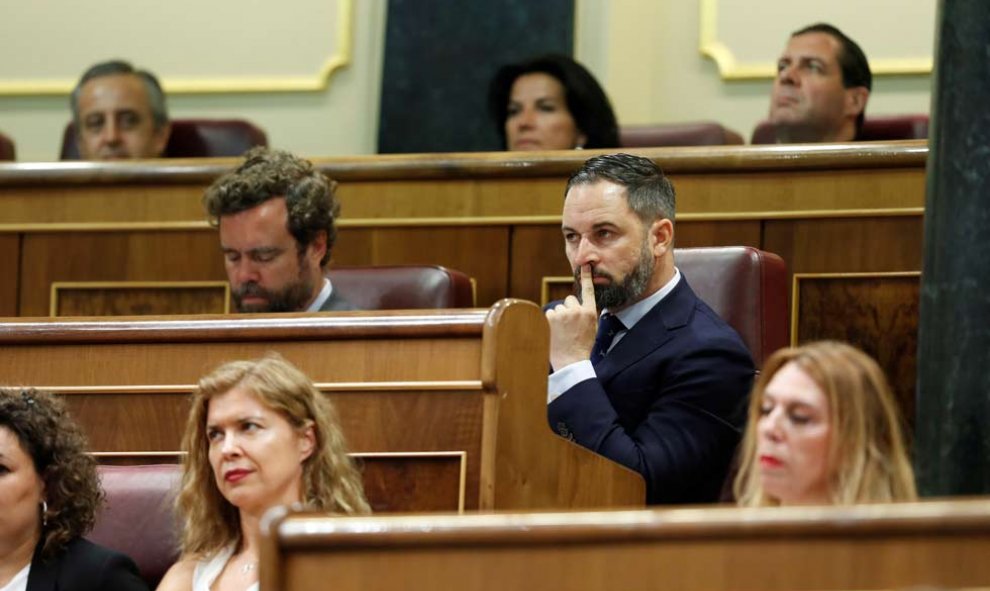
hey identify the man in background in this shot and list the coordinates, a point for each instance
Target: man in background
(276, 215)
(822, 86)
(119, 113)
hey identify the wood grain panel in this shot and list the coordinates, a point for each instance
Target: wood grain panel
(879, 547)
(136, 299)
(404, 483)
(10, 256)
(480, 252)
(877, 243)
(114, 256)
(467, 382)
(877, 313)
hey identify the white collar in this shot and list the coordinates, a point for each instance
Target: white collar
(322, 298)
(634, 313)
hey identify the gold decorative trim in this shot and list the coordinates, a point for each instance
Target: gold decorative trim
(546, 282)
(438, 385)
(730, 69)
(796, 293)
(531, 220)
(318, 82)
(122, 285)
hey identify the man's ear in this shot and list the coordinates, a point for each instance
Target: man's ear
(161, 139)
(662, 236)
(318, 246)
(856, 98)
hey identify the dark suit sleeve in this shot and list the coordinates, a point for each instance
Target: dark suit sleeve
(120, 573)
(86, 566)
(683, 438)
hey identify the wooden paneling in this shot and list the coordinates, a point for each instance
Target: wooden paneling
(409, 482)
(875, 312)
(148, 255)
(482, 253)
(469, 383)
(10, 254)
(876, 548)
(127, 298)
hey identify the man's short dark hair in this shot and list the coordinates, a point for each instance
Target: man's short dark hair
(649, 192)
(269, 174)
(852, 60)
(586, 101)
(156, 97)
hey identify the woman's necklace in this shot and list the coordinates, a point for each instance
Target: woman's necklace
(248, 567)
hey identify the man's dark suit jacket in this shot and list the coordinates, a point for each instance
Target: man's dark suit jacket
(336, 302)
(669, 400)
(85, 566)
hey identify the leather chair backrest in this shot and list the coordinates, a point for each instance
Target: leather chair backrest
(701, 133)
(875, 128)
(193, 138)
(747, 287)
(7, 149)
(403, 287)
(139, 516)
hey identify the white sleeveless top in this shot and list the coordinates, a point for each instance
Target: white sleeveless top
(207, 571)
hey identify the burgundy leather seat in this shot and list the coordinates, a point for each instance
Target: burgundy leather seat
(875, 128)
(193, 138)
(139, 516)
(701, 133)
(403, 287)
(7, 149)
(747, 287)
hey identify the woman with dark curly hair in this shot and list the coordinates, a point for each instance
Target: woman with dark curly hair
(551, 103)
(259, 435)
(49, 496)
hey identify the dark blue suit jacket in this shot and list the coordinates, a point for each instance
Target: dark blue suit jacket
(669, 400)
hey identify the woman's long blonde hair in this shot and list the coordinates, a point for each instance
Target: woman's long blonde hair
(867, 455)
(330, 480)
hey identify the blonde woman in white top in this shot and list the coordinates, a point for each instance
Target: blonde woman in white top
(259, 435)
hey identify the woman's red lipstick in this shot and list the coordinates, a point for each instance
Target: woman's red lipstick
(235, 475)
(770, 462)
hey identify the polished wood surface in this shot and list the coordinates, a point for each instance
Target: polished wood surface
(879, 547)
(838, 208)
(877, 311)
(466, 383)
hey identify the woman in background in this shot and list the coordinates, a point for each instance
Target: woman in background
(49, 497)
(551, 103)
(823, 429)
(259, 435)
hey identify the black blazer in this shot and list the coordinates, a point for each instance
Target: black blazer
(84, 566)
(669, 400)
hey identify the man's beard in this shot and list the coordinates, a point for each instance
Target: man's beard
(290, 299)
(615, 295)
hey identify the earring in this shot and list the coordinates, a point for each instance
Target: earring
(44, 513)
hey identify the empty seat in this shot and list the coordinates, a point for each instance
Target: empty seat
(403, 287)
(702, 133)
(7, 149)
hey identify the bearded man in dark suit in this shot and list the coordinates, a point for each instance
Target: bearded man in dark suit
(643, 372)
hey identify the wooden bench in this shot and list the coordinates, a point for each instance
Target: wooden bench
(446, 409)
(879, 547)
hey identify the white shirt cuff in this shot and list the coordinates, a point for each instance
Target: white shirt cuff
(567, 377)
